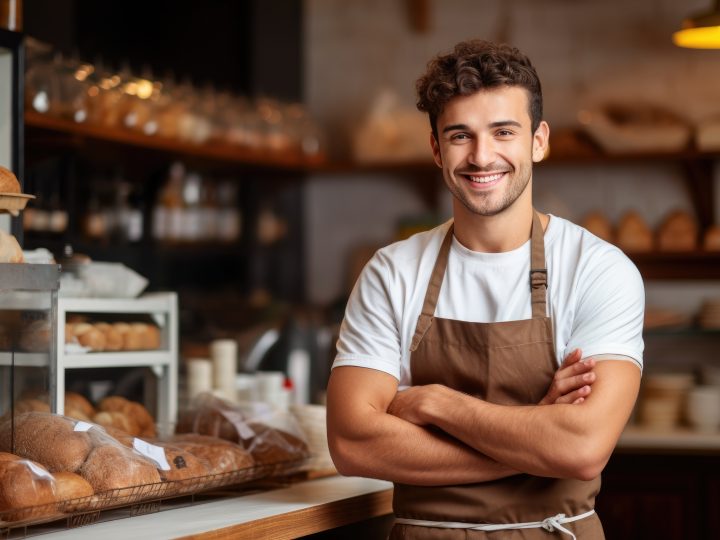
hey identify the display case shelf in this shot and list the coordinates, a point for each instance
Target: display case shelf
(74, 133)
(24, 359)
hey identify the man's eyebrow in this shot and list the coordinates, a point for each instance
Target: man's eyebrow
(499, 123)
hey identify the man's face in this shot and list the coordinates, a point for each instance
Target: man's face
(485, 148)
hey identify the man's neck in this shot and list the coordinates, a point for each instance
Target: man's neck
(505, 231)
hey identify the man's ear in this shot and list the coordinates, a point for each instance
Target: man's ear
(541, 139)
(437, 157)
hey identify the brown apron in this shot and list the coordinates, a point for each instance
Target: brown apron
(508, 363)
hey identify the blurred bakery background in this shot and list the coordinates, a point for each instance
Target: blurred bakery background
(212, 178)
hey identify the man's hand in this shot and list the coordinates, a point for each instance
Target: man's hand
(572, 382)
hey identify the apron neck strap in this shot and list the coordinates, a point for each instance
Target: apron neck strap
(538, 271)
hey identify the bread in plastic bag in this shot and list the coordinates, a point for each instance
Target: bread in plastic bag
(27, 489)
(272, 436)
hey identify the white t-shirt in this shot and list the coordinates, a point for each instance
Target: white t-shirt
(596, 297)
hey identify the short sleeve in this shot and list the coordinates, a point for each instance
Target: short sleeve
(610, 308)
(369, 334)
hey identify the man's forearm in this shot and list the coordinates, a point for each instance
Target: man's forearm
(556, 440)
(402, 452)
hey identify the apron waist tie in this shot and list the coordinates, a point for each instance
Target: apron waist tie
(550, 524)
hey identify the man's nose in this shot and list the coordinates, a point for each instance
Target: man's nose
(482, 153)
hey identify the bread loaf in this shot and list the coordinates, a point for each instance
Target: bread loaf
(113, 338)
(48, 439)
(599, 225)
(8, 181)
(89, 336)
(26, 490)
(711, 242)
(116, 467)
(183, 464)
(135, 411)
(634, 235)
(117, 420)
(10, 250)
(678, 232)
(78, 402)
(31, 405)
(270, 445)
(35, 337)
(70, 486)
(221, 456)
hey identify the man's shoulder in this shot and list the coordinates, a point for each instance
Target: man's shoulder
(572, 242)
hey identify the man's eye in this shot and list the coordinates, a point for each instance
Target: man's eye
(459, 137)
(505, 133)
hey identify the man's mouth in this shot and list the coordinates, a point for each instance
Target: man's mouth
(484, 178)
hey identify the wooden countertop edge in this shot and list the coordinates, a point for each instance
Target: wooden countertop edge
(308, 520)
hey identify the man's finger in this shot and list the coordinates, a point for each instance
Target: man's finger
(576, 396)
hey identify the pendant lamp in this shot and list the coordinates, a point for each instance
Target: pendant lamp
(700, 31)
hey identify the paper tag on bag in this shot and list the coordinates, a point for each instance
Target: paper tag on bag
(153, 453)
(82, 426)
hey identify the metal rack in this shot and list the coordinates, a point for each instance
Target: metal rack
(163, 308)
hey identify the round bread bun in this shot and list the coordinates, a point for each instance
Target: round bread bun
(76, 401)
(711, 242)
(35, 336)
(7, 456)
(220, 455)
(31, 405)
(135, 411)
(113, 338)
(116, 467)
(117, 420)
(8, 181)
(89, 336)
(48, 439)
(23, 489)
(678, 232)
(599, 225)
(633, 234)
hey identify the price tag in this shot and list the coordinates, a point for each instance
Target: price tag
(42, 473)
(244, 431)
(82, 426)
(152, 452)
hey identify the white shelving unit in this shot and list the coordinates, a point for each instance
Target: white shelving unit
(163, 308)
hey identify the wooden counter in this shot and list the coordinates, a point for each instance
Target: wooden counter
(300, 509)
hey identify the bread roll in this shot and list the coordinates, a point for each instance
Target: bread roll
(183, 464)
(117, 420)
(23, 489)
(77, 401)
(120, 436)
(115, 467)
(48, 439)
(711, 242)
(139, 414)
(10, 250)
(7, 456)
(678, 232)
(634, 235)
(70, 333)
(70, 486)
(89, 336)
(270, 445)
(113, 338)
(220, 456)
(8, 181)
(35, 337)
(599, 225)
(31, 405)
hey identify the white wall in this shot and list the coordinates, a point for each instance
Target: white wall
(586, 51)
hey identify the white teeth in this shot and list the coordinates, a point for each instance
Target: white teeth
(485, 179)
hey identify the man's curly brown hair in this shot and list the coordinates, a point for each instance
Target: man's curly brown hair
(473, 66)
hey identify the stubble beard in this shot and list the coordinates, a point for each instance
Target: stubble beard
(481, 203)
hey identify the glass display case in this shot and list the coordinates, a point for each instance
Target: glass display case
(28, 336)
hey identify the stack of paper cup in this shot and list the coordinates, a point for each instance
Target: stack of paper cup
(224, 360)
(199, 376)
(703, 408)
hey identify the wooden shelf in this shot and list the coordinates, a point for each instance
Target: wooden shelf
(681, 265)
(231, 154)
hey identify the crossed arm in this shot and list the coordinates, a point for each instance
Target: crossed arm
(375, 431)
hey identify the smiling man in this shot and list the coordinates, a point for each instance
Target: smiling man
(488, 366)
